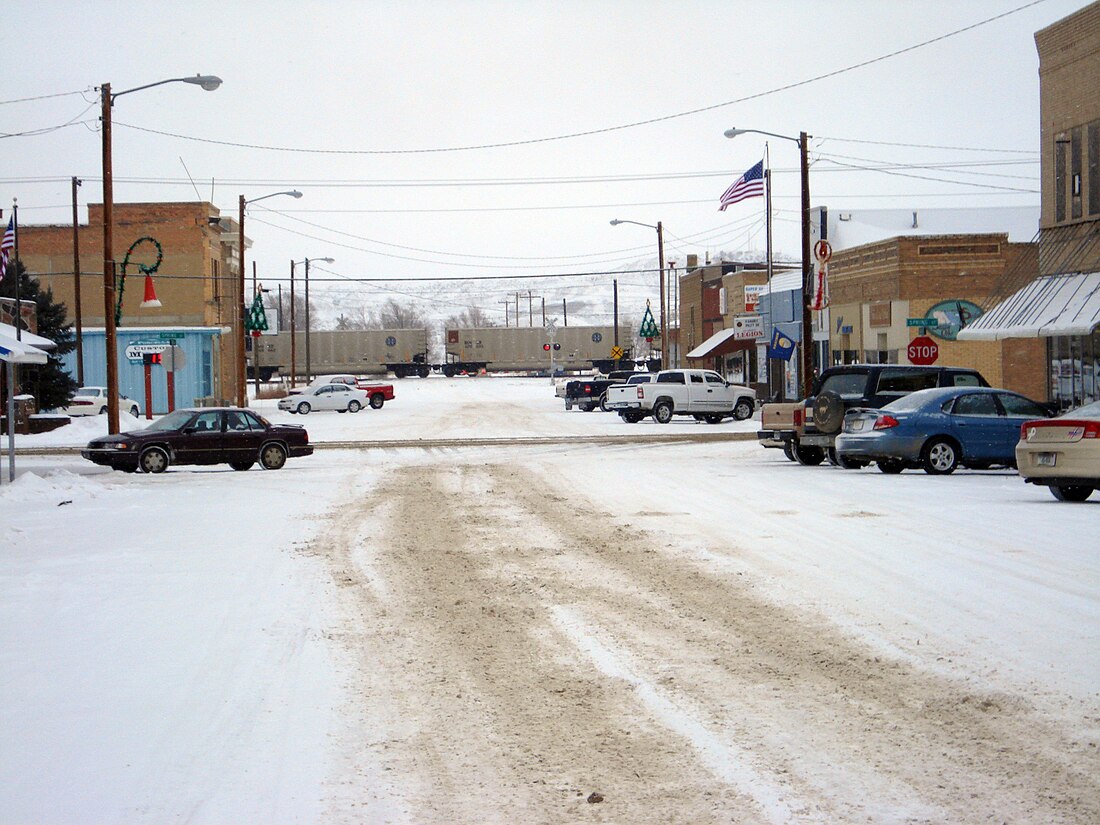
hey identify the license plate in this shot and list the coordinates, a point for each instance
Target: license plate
(857, 425)
(1046, 459)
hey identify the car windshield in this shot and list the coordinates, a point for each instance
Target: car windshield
(845, 384)
(172, 421)
(914, 401)
(1088, 411)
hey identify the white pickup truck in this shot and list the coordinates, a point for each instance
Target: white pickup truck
(701, 393)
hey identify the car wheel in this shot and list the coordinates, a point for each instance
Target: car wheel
(743, 409)
(377, 400)
(808, 456)
(662, 412)
(242, 465)
(272, 456)
(354, 406)
(838, 459)
(135, 412)
(423, 372)
(788, 451)
(940, 457)
(891, 466)
(303, 409)
(153, 460)
(713, 419)
(1071, 493)
(603, 403)
(102, 410)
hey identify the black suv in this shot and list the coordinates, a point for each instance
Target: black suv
(840, 389)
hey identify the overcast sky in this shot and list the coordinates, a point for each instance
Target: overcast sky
(387, 81)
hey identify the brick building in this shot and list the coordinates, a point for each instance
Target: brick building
(196, 282)
(717, 298)
(875, 288)
(1057, 302)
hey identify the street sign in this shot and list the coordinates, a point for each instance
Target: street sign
(747, 328)
(174, 358)
(923, 351)
(616, 352)
(136, 350)
(922, 322)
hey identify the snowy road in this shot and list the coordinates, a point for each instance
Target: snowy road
(685, 632)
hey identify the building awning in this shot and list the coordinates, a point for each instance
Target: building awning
(1054, 305)
(21, 352)
(27, 337)
(744, 334)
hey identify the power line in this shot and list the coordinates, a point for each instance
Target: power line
(45, 97)
(591, 132)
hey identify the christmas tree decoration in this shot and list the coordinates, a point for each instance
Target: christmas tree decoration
(256, 323)
(146, 269)
(648, 329)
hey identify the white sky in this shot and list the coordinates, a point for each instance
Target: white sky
(425, 75)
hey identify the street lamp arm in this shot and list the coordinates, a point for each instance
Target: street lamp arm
(617, 221)
(294, 193)
(208, 82)
(732, 133)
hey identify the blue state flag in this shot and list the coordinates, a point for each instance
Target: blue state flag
(781, 345)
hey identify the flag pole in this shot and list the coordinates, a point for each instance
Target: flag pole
(768, 245)
(18, 297)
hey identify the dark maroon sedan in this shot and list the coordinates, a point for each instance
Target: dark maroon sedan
(212, 435)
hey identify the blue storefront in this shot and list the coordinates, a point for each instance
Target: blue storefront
(195, 382)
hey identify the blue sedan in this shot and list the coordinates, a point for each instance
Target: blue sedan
(938, 429)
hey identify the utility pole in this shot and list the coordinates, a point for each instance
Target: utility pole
(807, 274)
(664, 319)
(517, 310)
(564, 314)
(293, 338)
(615, 287)
(544, 310)
(505, 302)
(530, 310)
(76, 291)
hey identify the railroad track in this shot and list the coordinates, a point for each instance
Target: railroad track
(519, 441)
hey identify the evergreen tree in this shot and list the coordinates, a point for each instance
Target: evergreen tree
(49, 383)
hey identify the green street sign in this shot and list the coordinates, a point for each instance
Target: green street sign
(922, 322)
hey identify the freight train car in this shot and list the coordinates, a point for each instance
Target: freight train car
(506, 349)
(359, 352)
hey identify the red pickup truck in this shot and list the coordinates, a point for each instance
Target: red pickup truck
(377, 394)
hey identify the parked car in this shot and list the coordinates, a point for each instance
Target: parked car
(377, 393)
(339, 397)
(704, 394)
(211, 435)
(805, 430)
(939, 430)
(93, 401)
(1062, 453)
(589, 394)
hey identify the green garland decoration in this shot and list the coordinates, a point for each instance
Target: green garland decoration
(146, 269)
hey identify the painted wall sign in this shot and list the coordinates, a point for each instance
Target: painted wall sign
(951, 316)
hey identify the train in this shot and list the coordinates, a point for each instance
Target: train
(467, 350)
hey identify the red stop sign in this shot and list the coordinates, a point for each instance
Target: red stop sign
(923, 351)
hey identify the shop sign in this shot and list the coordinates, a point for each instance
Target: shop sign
(950, 317)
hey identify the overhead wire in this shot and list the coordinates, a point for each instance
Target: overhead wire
(606, 129)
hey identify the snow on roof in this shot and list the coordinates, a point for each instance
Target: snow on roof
(8, 331)
(855, 227)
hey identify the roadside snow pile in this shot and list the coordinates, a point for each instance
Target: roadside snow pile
(59, 487)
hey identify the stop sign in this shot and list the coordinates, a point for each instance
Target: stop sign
(923, 351)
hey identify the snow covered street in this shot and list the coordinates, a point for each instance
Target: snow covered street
(498, 634)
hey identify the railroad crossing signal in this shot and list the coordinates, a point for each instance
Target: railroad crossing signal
(548, 347)
(616, 352)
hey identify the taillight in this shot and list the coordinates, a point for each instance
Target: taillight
(640, 393)
(885, 422)
(798, 416)
(81, 403)
(587, 389)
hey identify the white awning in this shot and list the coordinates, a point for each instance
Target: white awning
(27, 337)
(20, 352)
(745, 329)
(1054, 305)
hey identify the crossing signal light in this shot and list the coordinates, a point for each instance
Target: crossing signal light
(150, 358)
(557, 346)
(546, 347)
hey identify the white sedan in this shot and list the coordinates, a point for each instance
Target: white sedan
(93, 401)
(339, 397)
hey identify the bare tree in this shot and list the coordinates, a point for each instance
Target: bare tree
(394, 315)
(474, 317)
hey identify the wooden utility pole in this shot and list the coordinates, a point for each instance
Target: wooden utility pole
(76, 291)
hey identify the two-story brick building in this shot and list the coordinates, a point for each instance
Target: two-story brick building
(196, 281)
(1057, 302)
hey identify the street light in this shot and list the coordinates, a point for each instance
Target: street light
(242, 369)
(293, 351)
(807, 267)
(661, 266)
(107, 100)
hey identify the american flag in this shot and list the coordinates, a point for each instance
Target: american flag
(749, 185)
(7, 246)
